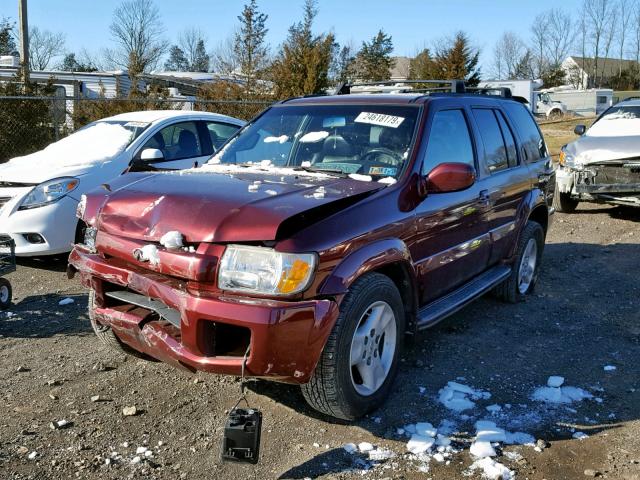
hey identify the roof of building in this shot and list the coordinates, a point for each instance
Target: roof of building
(607, 67)
(401, 68)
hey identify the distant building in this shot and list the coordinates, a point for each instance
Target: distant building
(401, 68)
(579, 71)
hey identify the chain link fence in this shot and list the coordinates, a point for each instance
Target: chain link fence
(30, 123)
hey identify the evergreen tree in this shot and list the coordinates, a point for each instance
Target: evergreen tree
(201, 58)
(70, 64)
(459, 60)
(249, 45)
(302, 66)
(177, 61)
(7, 42)
(344, 65)
(422, 66)
(374, 60)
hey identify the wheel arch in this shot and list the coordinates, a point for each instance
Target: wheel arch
(389, 257)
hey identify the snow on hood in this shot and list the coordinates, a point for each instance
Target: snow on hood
(609, 139)
(97, 144)
(615, 126)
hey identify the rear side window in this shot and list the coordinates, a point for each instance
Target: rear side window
(532, 142)
(509, 141)
(449, 140)
(495, 151)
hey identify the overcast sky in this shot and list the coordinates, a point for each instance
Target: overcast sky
(411, 23)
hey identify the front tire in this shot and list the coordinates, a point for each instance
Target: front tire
(524, 274)
(360, 359)
(5, 294)
(107, 337)
(564, 203)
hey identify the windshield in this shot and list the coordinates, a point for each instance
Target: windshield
(618, 121)
(371, 140)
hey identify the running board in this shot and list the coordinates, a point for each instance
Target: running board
(440, 309)
(171, 315)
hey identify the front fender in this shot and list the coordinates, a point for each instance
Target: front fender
(368, 258)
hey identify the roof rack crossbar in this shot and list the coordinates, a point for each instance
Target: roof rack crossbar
(454, 86)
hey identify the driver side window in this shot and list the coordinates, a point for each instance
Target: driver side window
(449, 140)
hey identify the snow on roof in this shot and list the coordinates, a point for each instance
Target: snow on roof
(155, 115)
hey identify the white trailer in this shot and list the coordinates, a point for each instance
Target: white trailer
(538, 102)
(585, 103)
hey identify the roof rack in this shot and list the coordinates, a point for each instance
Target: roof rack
(405, 86)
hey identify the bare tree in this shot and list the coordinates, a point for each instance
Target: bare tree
(43, 47)
(598, 16)
(223, 58)
(560, 35)
(508, 53)
(188, 41)
(540, 34)
(636, 36)
(626, 13)
(137, 31)
(609, 35)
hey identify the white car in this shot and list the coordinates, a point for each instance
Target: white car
(39, 192)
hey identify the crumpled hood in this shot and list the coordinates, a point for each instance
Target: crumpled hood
(594, 149)
(214, 207)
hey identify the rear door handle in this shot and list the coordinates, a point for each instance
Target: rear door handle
(484, 198)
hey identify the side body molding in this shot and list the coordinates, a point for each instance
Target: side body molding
(368, 258)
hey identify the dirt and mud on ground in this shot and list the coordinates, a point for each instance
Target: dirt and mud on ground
(583, 317)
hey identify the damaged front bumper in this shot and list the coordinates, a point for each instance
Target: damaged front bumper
(609, 183)
(207, 331)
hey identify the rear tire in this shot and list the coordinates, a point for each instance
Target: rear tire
(360, 359)
(524, 273)
(107, 337)
(5, 294)
(563, 202)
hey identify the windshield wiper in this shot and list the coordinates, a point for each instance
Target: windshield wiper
(330, 171)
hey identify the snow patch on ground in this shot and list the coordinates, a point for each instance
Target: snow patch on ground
(491, 469)
(560, 395)
(458, 397)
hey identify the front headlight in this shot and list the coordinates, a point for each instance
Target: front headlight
(49, 192)
(565, 159)
(265, 271)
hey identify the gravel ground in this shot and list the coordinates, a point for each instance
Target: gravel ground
(583, 316)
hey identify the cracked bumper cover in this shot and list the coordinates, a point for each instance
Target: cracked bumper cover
(286, 341)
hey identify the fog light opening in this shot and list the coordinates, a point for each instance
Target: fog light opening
(33, 237)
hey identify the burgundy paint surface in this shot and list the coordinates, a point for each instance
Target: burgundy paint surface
(440, 239)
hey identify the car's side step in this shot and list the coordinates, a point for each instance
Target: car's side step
(171, 315)
(440, 309)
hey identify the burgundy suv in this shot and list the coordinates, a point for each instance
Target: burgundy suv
(321, 235)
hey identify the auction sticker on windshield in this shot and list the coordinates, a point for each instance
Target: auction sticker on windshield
(380, 119)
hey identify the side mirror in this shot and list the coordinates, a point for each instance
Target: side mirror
(450, 177)
(150, 154)
(580, 129)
